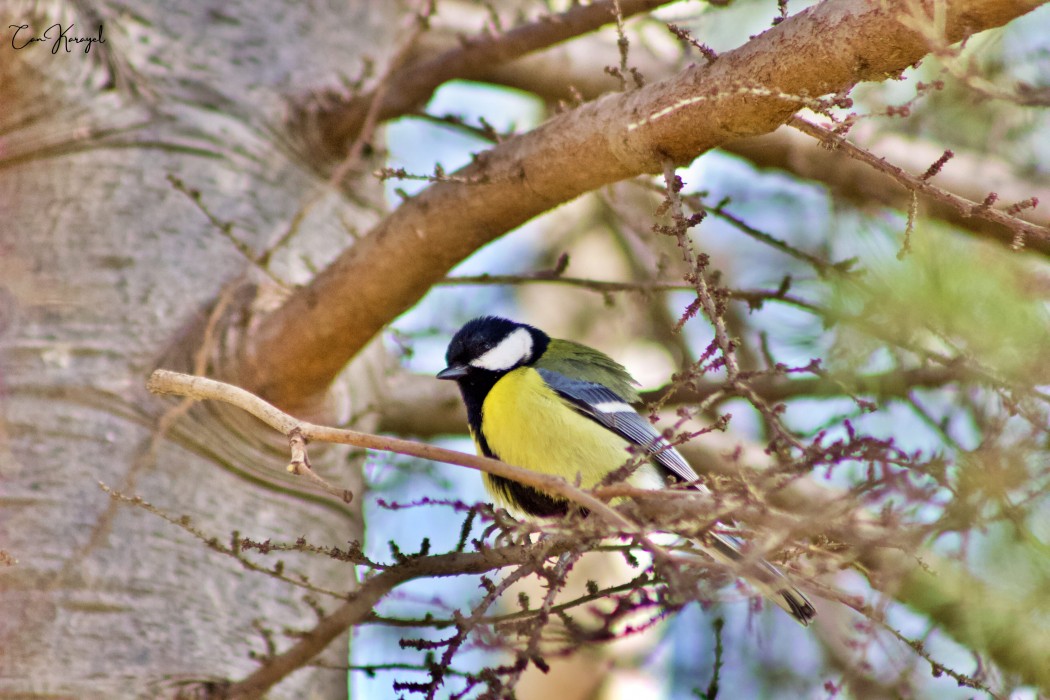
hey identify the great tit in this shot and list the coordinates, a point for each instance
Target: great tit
(561, 408)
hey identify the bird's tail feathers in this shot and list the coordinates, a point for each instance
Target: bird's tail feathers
(766, 578)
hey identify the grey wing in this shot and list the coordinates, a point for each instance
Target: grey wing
(608, 408)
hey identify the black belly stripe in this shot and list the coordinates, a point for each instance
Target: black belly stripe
(529, 500)
(483, 444)
(525, 498)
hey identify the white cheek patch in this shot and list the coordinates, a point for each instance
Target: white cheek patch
(511, 351)
(613, 407)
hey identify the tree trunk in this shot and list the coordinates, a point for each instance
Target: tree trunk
(108, 269)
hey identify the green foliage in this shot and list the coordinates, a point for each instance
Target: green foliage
(947, 295)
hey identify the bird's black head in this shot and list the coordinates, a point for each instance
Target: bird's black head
(489, 347)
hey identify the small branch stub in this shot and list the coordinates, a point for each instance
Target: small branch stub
(300, 461)
(300, 466)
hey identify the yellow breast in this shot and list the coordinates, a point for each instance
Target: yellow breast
(528, 425)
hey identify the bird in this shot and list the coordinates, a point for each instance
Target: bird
(562, 408)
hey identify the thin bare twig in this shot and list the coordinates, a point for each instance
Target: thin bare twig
(147, 454)
(362, 603)
(1024, 233)
(214, 543)
(167, 382)
(755, 297)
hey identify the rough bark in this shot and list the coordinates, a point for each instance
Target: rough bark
(106, 267)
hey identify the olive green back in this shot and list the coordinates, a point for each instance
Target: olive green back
(578, 361)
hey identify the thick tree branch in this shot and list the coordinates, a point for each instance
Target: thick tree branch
(412, 87)
(971, 175)
(297, 350)
(563, 73)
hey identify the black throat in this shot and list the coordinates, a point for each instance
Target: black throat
(475, 387)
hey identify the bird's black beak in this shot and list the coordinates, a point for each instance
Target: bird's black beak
(453, 372)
